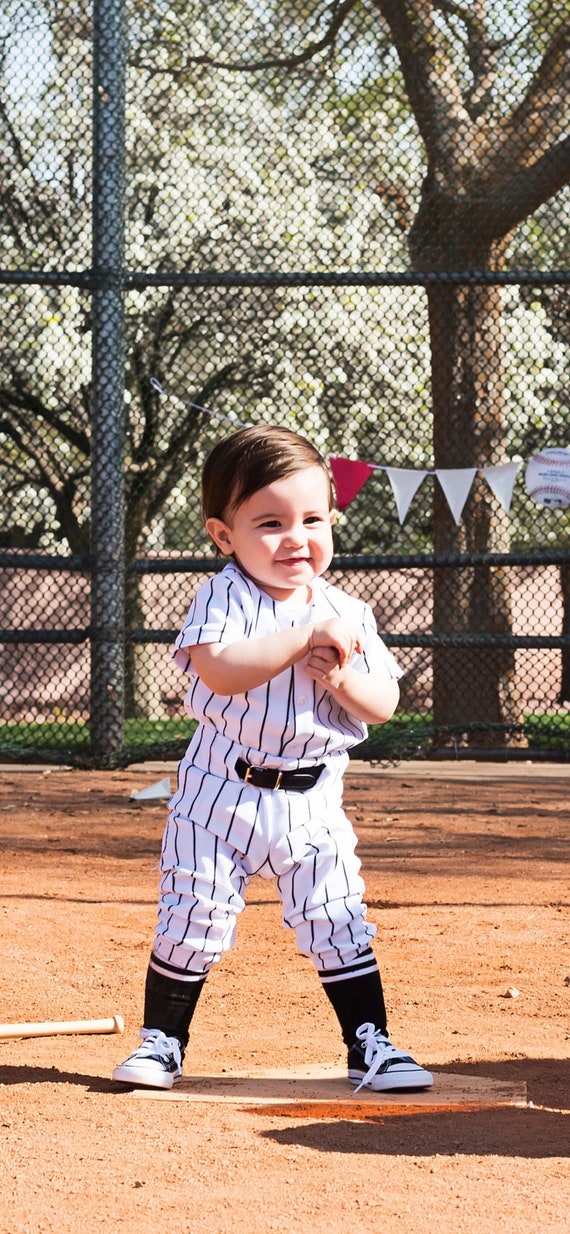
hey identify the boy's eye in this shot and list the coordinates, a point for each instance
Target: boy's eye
(271, 522)
(313, 518)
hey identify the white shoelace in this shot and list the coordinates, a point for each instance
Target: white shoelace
(154, 1042)
(376, 1049)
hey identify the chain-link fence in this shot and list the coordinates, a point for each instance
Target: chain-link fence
(350, 218)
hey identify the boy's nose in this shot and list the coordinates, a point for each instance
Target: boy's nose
(295, 536)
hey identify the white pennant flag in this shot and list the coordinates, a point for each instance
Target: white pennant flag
(501, 481)
(153, 792)
(405, 484)
(456, 483)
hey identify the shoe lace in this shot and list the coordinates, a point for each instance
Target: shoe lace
(154, 1042)
(377, 1048)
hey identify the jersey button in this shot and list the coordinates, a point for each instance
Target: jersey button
(301, 699)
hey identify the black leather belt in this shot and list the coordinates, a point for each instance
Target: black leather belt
(271, 777)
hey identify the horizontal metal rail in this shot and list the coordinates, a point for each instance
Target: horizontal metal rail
(417, 639)
(51, 637)
(43, 561)
(358, 562)
(90, 280)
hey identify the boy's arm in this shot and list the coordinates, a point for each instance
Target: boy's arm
(370, 697)
(233, 668)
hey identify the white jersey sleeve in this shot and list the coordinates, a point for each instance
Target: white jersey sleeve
(222, 611)
(375, 656)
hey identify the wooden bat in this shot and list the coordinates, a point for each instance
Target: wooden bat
(55, 1028)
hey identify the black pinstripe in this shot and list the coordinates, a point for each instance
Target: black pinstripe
(290, 718)
(221, 831)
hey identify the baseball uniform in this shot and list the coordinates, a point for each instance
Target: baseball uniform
(222, 830)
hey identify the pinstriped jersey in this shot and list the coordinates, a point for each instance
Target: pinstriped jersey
(290, 720)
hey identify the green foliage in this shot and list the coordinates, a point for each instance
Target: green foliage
(405, 736)
(68, 742)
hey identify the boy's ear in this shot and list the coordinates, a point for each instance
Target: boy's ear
(334, 515)
(220, 534)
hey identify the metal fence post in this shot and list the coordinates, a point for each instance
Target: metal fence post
(107, 705)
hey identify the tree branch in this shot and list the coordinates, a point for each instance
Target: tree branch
(147, 396)
(435, 96)
(61, 493)
(340, 12)
(14, 139)
(146, 500)
(21, 398)
(148, 360)
(481, 52)
(528, 188)
(22, 434)
(506, 158)
(528, 129)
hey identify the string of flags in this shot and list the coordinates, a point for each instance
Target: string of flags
(547, 475)
(547, 480)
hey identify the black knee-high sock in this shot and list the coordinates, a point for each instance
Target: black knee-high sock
(169, 1004)
(356, 1001)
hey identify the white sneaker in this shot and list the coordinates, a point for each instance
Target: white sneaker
(377, 1064)
(156, 1063)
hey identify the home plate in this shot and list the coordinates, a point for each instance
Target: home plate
(324, 1092)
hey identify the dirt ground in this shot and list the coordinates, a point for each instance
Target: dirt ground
(466, 874)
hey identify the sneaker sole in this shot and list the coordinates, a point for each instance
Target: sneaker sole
(395, 1082)
(130, 1075)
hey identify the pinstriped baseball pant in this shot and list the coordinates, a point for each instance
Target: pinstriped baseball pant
(220, 832)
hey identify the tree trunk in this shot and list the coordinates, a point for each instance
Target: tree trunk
(486, 174)
(475, 691)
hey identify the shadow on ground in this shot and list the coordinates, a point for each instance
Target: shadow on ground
(504, 1131)
(540, 1131)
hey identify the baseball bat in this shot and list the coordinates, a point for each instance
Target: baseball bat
(56, 1027)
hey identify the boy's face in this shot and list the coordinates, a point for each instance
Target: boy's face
(282, 535)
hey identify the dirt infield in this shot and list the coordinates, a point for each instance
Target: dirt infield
(467, 879)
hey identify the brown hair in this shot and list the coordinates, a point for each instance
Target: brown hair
(248, 460)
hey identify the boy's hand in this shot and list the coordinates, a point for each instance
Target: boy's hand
(338, 635)
(370, 697)
(323, 666)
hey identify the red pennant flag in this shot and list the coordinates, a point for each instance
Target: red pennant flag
(349, 476)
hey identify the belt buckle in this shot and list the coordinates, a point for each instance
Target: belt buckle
(250, 770)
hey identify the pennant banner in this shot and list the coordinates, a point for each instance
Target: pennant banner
(349, 477)
(547, 481)
(547, 475)
(405, 484)
(501, 481)
(456, 482)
